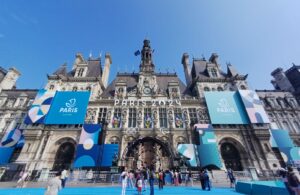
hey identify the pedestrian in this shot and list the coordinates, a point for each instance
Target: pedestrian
(176, 178)
(124, 177)
(283, 175)
(188, 178)
(202, 180)
(64, 177)
(231, 177)
(160, 180)
(293, 181)
(151, 182)
(23, 177)
(130, 179)
(54, 185)
(140, 185)
(206, 180)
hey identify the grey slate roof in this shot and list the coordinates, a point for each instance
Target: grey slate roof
(15, 93)
(131, 80)
(94, 69)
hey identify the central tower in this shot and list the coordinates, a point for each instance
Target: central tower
(146, 65)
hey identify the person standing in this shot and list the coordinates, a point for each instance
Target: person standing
(160, 180)
(206, 180)
(54, 185)
(124, 176)
(188, 178)
(176, 179)
(64, 176)
(140, 185)
(201, 175)
(151, 182)
(231, 177)
(130, 179)
(293, 181)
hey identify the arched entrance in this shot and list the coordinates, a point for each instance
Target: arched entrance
(231, 157)
(64, 156)
(148, 152)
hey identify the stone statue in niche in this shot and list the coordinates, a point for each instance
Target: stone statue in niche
(155, 116)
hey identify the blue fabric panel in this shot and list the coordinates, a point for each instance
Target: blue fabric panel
(209, 155)
(5, 154)
(86, 157)
(109, 151)
(243, 187)
(281, 138)
(279, 190)
(259, 189)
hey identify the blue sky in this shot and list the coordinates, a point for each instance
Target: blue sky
(256, 36)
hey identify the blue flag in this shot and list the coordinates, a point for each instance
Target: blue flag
(137, 53)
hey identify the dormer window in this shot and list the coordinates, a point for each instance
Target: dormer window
(213, 72)
(80, 72)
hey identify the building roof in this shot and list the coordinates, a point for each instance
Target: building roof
(94, 69)
(15, 93)
(131, 80)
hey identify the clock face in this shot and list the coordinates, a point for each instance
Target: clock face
(147, 90)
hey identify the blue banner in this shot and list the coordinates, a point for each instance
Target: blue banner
(207, 150)
(108, 153)
(5, 154)
(68, 108)
(225, 108)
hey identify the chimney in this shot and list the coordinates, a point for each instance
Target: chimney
(187, 70)
(105, 74)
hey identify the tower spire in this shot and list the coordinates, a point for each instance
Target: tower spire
(147, 65)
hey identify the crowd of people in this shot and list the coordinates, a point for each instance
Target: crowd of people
(140, 178)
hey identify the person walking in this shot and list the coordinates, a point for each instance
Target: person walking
(231, 177)
(139, 185)
(151, 182)
(206, 180)
(283, 174)
(160, 180)
(130, 180)
(202, 180)
(188, 178)
(64, 176)
(176, 178)
(124, 176)
(293, 181)
(54, 185)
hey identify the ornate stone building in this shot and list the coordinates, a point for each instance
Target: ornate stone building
(149, 113)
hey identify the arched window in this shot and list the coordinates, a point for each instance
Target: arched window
(51, 87)
(286, 126)
(74, 89)
(220, 89)
(88, 88)
(243, 87)
(297, 126)
(206, 89)
(213, 72)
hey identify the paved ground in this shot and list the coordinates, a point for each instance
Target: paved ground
(117, 190)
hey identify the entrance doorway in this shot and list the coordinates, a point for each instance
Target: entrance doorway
(64, 156)
(231, 157)
(148, 153)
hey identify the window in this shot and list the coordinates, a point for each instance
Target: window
(80, 72)
(206, 89)
(179, 122)
(10, 103)
(193, 116)
(132, 117)
(163, 117)
(51, 87)
(213, 72)
(267, 147)
(286, 126)
(21, 102)
(220, 89)
(243, 87)
(147, 118)
(116, 122)
(74, 89)
(297, 126)
(88, 88)
(102, 115)
(18, 125)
